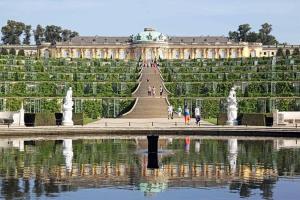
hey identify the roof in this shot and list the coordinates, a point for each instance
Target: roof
(86, 40)
(148, 35)
(81, 40)
(198, 39)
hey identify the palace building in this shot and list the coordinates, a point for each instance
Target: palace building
(148, 45)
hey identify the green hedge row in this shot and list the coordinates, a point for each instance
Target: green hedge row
(77, 77)
(58, 89)
(211, 107)
(92, 108)
(221, 89)
(240, 76)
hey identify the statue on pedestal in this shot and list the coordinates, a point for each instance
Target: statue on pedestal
(232, 108)
(67, 109)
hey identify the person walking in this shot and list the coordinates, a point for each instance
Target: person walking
(153, 91)
(161, 90)
(197, 115)
(170, 112)
(186, 115)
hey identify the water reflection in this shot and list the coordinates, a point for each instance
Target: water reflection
(155, 164)
(68, 153)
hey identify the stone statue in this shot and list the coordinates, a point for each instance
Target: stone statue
(67, 109)
(232, 108)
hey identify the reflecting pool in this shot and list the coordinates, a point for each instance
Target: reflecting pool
(150, 168)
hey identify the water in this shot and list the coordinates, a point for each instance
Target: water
(188, 168)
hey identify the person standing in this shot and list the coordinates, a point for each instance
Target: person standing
(197, 115)
(186, 115)
(161, 90)
(179, 111)
(170, 112)
(153, 91)
(149, 90)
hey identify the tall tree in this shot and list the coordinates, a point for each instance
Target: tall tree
(265, 35)
(12, 31)
(74, 34)
(67, 35)
(52, 34)
(234, 35)
(252, 37)
(27, 33)
(39, 34)
(243, 34)
(243, 31)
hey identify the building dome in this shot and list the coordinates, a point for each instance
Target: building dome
(149, 35)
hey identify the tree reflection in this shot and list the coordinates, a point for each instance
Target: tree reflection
(61, 166)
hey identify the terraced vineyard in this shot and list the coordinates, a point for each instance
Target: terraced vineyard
(264, 84)
(100, 87)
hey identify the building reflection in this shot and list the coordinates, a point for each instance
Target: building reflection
(170, 163)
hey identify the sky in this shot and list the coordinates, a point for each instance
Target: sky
(172, 17)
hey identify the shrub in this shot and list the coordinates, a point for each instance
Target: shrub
(21, 52)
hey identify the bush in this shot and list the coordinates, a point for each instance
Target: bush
(92, 108)
(78, 118)
(21, 52)
(254, 119)
(45, 119)
(13, 104)
(12, 51)
(4, 51)
(222, 119)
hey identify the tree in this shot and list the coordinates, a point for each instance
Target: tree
(67, 35)
(52, 34)
(296, 52)
(264, 35)
(12, 31)
(287, 52)
(39, 34)
(252, 37)
(3, 51)
(243, 31)
(234, 35)
(266, 28)
(12, 51)
(279, 52)
(243, 34)
(21, 52)
(27, 32)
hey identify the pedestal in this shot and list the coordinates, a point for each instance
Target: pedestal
(232, 123)
(67, 117)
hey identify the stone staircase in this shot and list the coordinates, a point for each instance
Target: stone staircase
(149, 107)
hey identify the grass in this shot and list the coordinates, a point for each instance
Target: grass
(212, 120)
(88, 120)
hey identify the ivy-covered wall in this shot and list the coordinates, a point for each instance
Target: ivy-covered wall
(101, 88)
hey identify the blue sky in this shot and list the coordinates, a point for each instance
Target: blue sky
(173, 17)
